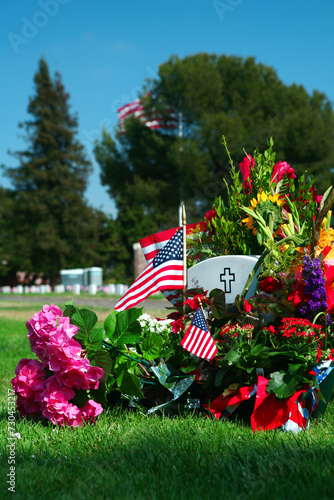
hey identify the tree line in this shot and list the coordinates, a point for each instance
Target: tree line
(46, 223)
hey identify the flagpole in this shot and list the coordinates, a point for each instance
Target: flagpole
(206, 321)
(184, 224)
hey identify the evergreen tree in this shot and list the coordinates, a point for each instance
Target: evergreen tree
(54, 227)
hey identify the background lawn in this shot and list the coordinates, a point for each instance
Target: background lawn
(127, 455)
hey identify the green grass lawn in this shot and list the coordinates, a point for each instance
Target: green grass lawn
(130, 456)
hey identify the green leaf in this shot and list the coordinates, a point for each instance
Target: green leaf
(102, 359)
(128, 329)
(85, 320)
(70, 309)
(282, 384)
(110, 323)
(95, 339)
(151, 346)
(217, 303)
(127, 381)
(233, 356)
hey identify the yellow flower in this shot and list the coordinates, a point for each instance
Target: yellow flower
(261, 197)
(249, 223)
(326, 239)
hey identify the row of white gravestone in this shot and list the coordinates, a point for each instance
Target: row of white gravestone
(76, 289)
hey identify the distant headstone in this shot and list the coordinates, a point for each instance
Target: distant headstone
(227, 272)
(42, 289)
(76, 289)
(92, 289)
(111, 288)
(19, 289)
(6, 289)
(59, 288)
(119, 289)
(27, 289)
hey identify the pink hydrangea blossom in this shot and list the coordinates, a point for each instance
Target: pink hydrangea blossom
(41, 327)
(51, 338)
(29, 385)
(57, 408)
(280, 169)
(80, 375)
(91, 410)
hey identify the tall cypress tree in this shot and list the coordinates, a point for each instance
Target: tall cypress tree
(54, 227)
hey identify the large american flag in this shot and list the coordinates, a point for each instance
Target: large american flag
(198, 340)
(152, 244)
(164, 272)
(154, 120)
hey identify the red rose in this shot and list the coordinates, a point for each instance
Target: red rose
(245, 169)
(280, 169)
(270, 284)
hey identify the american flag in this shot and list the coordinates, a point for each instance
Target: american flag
(165, 271)
(198, 340)
(155, 119)
(152, 244)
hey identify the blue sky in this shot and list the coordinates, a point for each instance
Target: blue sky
(104, 49)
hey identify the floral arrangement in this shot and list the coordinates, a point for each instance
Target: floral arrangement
(274, 349)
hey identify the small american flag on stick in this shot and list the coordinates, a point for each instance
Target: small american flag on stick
(197, 339)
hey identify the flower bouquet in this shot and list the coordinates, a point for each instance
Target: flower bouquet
(269, 353)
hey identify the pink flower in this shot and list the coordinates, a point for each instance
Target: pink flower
(80, 375)
(41, 327)
(29, 386)
(91, 410)
(61, 351)
(245, 169)
(280, 169)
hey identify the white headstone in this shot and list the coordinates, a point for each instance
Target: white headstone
(227, 272)
(76, 289)
(92, 289)
(119, 289)
(19, 289)
(27, 289)
(42, 289)
(111, 288)
(6, 289)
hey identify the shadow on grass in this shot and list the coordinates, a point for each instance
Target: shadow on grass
(131, 456)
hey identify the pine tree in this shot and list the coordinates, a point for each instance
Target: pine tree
(54, 227)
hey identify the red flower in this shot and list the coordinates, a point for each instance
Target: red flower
(245, 169)
(194, 301)
(280, 169)
(329, 285)
(297, 294)
(270, 284)
(209, 216)
(247, 306)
